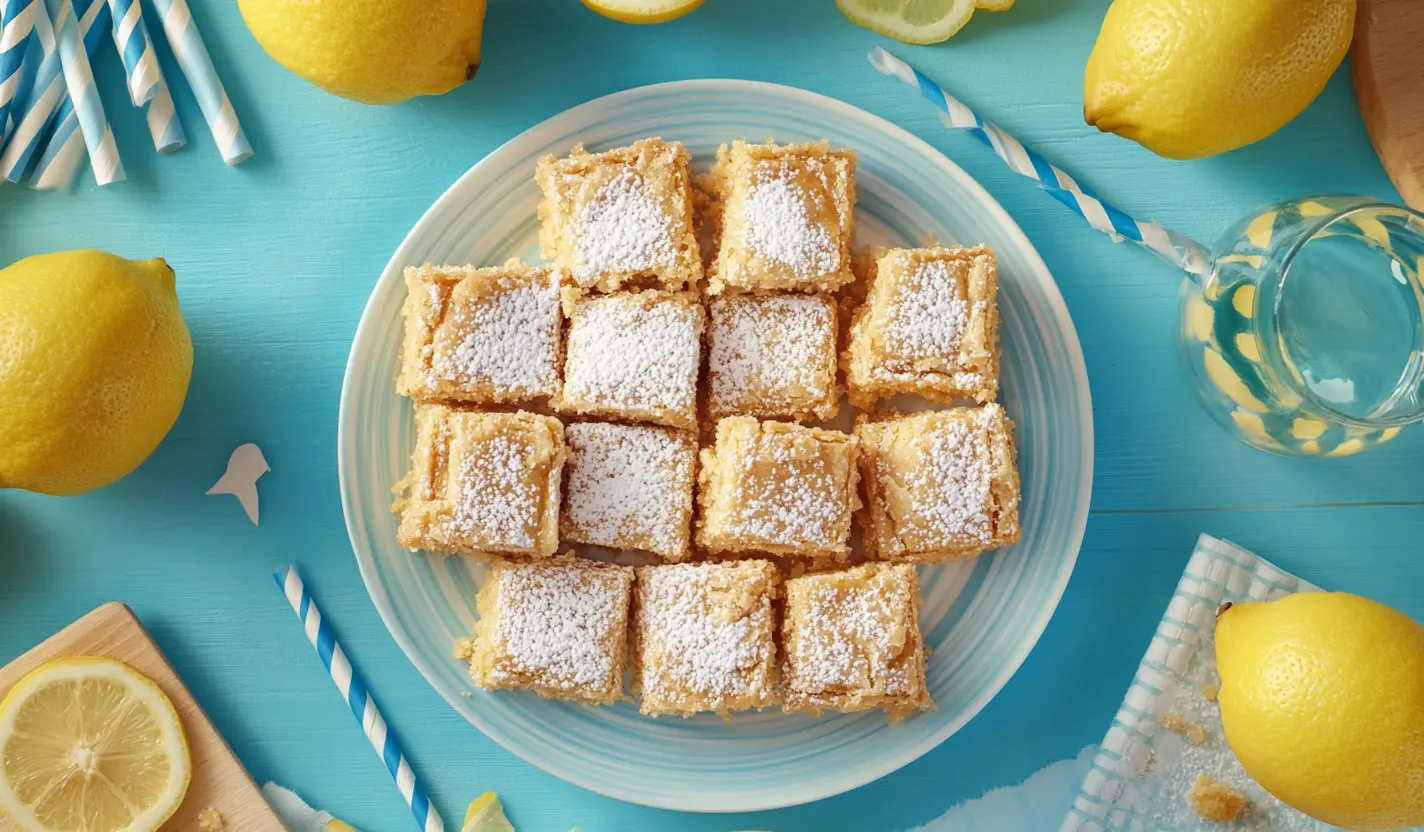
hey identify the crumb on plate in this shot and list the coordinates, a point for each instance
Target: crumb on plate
(210, 820)
(1213, 800)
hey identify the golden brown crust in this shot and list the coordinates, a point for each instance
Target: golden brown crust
(852, 642)
(482, 484)
(779, 488)
(557, 627)
(929, 326)
(704, 637)
(772, 356)
(621, 219)
(783, 218)
(481, 336)
(939, 485)
(634, 357)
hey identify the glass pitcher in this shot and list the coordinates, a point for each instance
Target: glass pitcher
(1305, 334)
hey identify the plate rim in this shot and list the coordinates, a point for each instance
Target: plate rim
(1078, 368)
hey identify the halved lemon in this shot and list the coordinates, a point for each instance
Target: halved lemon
(642, 11)
(90, 744)
(910, 21)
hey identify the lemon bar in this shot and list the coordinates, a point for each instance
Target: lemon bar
(629, 487)
(929, 326)
(621, 218)
(852, 642)
(634, 357)
(557, 627)
(704, 637)
(481, 335)
(782, 216)
(939, 485)
(482, 483)
(777, 488)
(772, 356)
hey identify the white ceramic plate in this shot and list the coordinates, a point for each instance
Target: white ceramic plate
(980, 618)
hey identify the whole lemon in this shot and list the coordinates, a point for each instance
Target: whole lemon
(1322, 699)
(373, 51)
(1193, 78)
(94, 366)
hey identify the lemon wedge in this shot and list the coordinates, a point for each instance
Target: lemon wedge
(486, 814)
(642, 11)
(90, 744)
(911, 21)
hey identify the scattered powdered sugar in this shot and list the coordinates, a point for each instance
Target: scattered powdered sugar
(713, 637)
(562, 621)
(949, 483)
(778, 226)
(499, 500)
(928, 315)
(623, 228)
(797, 505)
(770, 349)
(628, 481)
(625, 353)
(848, 637)
(511, 340)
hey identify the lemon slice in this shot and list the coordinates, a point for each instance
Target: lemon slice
(642, 11)
(993, 5)
(486, 814)
(92, 745)
(910, 21)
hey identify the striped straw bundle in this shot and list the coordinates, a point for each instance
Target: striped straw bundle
(1177, 249)
(51, 116)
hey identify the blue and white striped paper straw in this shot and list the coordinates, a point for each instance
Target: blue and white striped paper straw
(40, 105)
(196, 64)
(17, 22)
(64, 153)
(79, 77)
(163, 123)
(363, 707)
(1175, 248)
(136, 50)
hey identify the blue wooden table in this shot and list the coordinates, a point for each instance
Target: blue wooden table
(275, 260)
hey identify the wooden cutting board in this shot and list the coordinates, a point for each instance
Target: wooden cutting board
(219, 780)
(1388, 64)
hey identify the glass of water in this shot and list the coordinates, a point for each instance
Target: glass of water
(1306, 336)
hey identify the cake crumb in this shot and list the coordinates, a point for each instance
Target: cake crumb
(1210, 690)
(210, 820)
(1213, 800)
(464, 648)
(1195, 734)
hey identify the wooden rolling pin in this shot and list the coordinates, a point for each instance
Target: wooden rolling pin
(1388, 63)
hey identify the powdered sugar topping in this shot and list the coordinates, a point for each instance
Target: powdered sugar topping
(629, 353)
(929, 314)
(623, 228)
(563, 622)
(776, 351)
(781, 499)
(711, 627)
(499, 500)
(778, 224)
(949, 484)
(849, 636)
(629, 482)
(511, 340)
